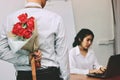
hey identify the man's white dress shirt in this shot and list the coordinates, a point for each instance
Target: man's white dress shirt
(80, 64)
(52, 40)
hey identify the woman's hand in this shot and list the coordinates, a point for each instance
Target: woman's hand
(103, 69)
(100, 70)
(94, 71)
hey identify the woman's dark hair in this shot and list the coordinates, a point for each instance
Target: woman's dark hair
(81, 35)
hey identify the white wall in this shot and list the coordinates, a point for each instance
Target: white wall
(7, 71)
(96, 15)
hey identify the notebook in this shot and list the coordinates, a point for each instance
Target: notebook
(113, 68)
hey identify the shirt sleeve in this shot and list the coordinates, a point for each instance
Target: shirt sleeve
(96, 63)
(62, 50)
(19, 58)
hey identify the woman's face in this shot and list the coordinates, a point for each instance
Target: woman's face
(87, 41)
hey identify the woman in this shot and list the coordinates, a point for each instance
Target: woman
(82, 59)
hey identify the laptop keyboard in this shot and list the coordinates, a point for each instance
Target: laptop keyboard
(97, 75)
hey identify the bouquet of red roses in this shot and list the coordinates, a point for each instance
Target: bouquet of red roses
(24, 28)
(24, 35)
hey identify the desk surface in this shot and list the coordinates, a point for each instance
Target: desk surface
(84, 77)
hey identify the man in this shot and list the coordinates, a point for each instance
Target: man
(52, 44)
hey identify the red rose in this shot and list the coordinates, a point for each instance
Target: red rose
(16, 28)
(24, 28)
(23, 17)
(30, 24)
(27, 34)
(21, 32)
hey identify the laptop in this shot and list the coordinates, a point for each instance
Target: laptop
(113, 68)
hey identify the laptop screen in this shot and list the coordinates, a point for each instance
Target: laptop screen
(113, 67)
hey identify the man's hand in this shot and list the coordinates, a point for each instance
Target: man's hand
(37, 56)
